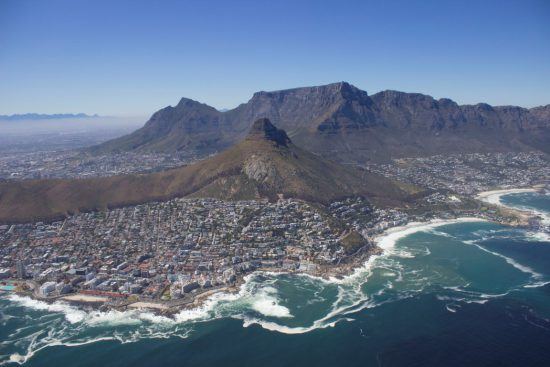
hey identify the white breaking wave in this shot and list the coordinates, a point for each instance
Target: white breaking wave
(509, 260)
(269, 308)
(206, 310)
(266, 303)
(78, 327)
(264, 300)
(72, 314)
(536, 284)
(258, 301)
(75, 315)
(388, 239)
(493, 196)
(350, 299)
(272, 326)
(450, 309)
(538, 236)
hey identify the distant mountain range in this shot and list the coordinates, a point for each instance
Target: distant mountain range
(345, 123)
(265, 164)
(40, 116)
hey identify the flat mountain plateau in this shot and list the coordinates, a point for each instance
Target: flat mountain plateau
(346, 124)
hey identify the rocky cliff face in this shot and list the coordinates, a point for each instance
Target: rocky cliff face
(263, 129)
(344, 122)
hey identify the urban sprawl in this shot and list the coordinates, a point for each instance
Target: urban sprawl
(166, 255)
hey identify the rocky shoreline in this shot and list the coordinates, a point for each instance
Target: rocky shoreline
(329, 272)
(172, 307)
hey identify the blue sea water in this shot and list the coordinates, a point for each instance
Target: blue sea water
(471, 293)
(537, 201)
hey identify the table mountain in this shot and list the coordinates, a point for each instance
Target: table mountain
(343, 122)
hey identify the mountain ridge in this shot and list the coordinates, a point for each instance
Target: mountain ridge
(342, 121)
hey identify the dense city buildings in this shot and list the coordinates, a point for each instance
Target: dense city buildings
(165, 250)
(75, 164)
(467, 174)
(168, 253)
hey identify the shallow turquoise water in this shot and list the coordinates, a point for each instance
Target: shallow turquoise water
(472, 294)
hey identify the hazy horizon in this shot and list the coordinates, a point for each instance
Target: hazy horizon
(146, 115)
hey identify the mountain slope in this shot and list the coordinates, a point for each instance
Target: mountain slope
(266, 164)
(188, 124)
(343, 122)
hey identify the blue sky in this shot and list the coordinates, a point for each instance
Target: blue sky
(133, 57)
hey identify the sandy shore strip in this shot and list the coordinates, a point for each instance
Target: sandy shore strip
(148, 305)
(85, 298)
(388, 238)
(493, 196)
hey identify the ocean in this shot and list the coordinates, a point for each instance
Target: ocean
(442, 294)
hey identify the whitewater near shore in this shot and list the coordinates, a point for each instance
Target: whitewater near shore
(357, 271)
(388, 239)
(493, 196)
(263, 301)
(300, 303)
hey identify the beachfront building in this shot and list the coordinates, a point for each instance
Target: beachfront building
(47, 289)
(21, 271)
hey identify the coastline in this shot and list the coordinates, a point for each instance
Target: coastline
(525, 214)
(249, 304)
(385, 242)
(203, 301)
(493, 196)
(387, 239)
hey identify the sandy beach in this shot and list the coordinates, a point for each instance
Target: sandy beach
(149, 305)
(493, 196)
(85, 298)
(389, 237)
